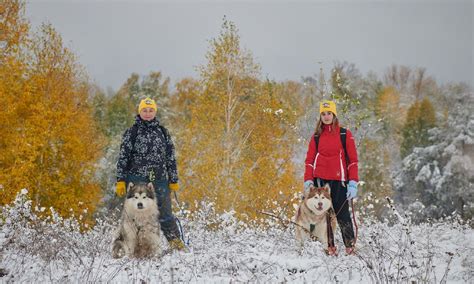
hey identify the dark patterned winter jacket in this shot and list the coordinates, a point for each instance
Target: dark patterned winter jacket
(153, 152)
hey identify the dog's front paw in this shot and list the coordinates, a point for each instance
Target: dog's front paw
(300, 247)
(299, 250)
(118, 250)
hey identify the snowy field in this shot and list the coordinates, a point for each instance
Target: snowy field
(223, 250)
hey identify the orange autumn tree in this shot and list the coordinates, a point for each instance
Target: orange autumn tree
(52, 142)
(234, 147)
(13, 39)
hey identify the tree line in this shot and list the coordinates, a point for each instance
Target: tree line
(240, 138)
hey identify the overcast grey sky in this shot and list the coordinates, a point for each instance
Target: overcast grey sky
(113, 39)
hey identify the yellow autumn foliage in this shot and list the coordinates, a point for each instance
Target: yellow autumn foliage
(49, 141)
(234, 141)
(388, 108)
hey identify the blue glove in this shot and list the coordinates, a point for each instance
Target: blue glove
(351, 190)
(307, 186)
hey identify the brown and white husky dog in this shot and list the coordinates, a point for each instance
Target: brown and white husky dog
(312, 218)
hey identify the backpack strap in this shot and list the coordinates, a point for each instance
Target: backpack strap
(133, 139)
(133, 135)
(316, 140)
(163, 130)
(343, 133)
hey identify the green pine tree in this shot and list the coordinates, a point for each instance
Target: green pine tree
(420, 118)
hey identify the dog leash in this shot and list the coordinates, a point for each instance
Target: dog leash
(355, 223)
(181, 231)
(151, 177)
(353, 218)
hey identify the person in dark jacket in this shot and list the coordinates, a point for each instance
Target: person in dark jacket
(147, 155)
(326, 163)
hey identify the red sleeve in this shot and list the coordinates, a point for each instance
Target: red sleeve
(309, 161)
(352, 167)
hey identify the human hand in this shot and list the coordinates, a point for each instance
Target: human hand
(120, 189)
(351, 190)
(307, 186)
(174, 186)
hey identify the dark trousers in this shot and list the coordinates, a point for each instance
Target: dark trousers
(341, 205)
(163, 198)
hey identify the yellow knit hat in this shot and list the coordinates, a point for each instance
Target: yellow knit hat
(327, 106)
(147, 102)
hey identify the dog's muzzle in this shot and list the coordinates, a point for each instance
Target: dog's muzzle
(140, 205)
(320, 206)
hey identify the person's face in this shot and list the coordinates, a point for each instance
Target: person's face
(147, 113)
(327, 117)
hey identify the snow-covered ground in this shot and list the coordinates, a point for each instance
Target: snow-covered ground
(224, 250)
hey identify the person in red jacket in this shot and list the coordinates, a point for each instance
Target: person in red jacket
(326, 163)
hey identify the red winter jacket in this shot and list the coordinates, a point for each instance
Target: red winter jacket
(329, 163)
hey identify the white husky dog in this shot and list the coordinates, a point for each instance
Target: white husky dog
(139, 231)
(312, 218)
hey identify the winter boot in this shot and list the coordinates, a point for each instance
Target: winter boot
(176, 244)
(350, 251)
(331, 251)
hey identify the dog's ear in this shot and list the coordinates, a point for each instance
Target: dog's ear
(311, 193)
(129, 189)
(130, 186)
(150, 190)
(327, 187)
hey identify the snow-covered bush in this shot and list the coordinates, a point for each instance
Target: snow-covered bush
(223, 249)
(28, 232)
(438, 180)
